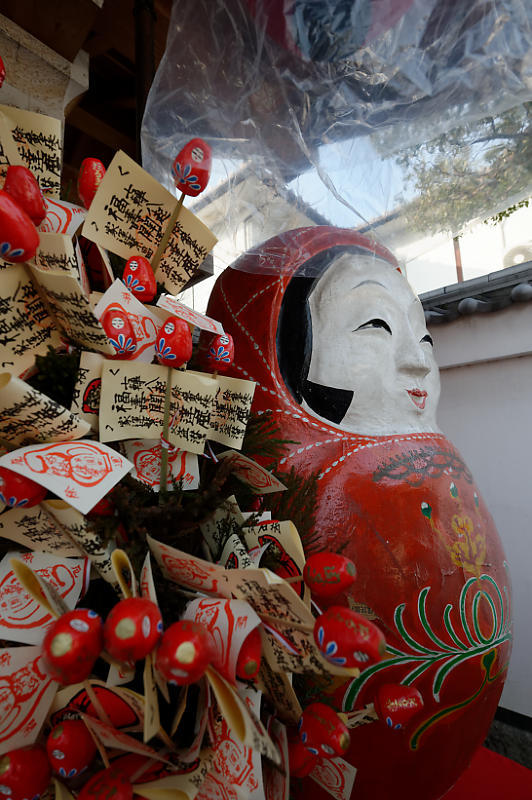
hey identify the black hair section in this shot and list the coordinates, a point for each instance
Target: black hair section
(294, 337)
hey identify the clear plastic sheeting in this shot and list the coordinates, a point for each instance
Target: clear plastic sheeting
(407, 120)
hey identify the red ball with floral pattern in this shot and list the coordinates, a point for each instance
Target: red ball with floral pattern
(348, 639)
(17, 491)
(173, 347)
(132, 629)
(221, 352)
(396, 704)
(185, 652)
(120, 333)
(192, 167)
(70, 748)
(72, 644)
(24, 773)
(140, 279)
(323, 732)
(18, 235)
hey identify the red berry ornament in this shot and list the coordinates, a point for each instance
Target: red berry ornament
(18, 235)
(328, 574)
(140, 279)
(248, 662)
(106, 784)
(119, 330)
(24, 773)
(17, 490)
(132, 629)
(185, 652)
(348, 639)
(21, 184)
(90, 176)
(221, 352)
(322, 731)
(70, 748)
(301, 760)
(396, 704)
(72, 645)
(192, 167)
(173, 347)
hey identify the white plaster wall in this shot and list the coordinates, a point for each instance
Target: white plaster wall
(486, 411)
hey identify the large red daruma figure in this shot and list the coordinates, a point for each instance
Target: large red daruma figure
(335, 339)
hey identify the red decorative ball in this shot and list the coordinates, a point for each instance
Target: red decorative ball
(192, 167)
(301, 760)
(173, 347)
(18, 235)
(108, 783)
(24, 773)
(23, 187)
(2, 72)
(221, 352)
(118, 327)
(140, 278)
(132, 629)
(72, 645)
(396, 704)
(348, 639)
(185, 652)
(249, 657)
(70, 748)
(17, 490)
(90, 176)
(322, 731)
(328, 574)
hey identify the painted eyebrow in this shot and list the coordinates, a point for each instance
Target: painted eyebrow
(364, 283)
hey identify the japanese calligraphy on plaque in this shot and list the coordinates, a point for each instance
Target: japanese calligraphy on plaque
(38, 140)
(232, 409)
(26, 326)
(35, 529)
(129, 215)
(132, 404)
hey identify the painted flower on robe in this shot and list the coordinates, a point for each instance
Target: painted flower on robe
(182, 175)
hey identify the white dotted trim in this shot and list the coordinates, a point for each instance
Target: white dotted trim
(340, 435)
(376, 443)
(257, 294)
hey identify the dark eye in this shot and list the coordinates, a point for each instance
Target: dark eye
(375, 323)
(428, 339)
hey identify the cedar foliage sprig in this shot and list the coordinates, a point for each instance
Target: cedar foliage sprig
(56, 375)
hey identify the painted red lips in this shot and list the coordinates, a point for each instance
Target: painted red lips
(418, 397)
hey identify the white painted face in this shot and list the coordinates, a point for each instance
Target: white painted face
(369, 336)
(197, 155)
(118, 323)
(169, 327)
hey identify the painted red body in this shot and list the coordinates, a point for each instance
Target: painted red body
(322, 731)
(18, 491)
(90, 176)
(173, 347)
(406, 510)
(107, 783)
(132, 629)
(119, 330)
(192, 167)
(24, 773)
(396, 704)
(23, 187)
(221, 353)
(18, 235)
(348, 639)
(302, 761)
(185, 652)
(140, 278)
(72, 645)
(2, 72)
(70, 748)
(328, 574)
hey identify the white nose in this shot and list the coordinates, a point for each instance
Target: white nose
(412, 358)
